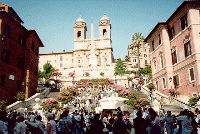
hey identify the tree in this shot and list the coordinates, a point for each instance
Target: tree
(120, 67)
(145, 71)
(137, 40)
(127, 58)
(48, 70)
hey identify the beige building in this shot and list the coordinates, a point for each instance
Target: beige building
(144, 51)
(89, 55)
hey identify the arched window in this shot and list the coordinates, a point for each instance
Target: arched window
(79, 34)
(104, 32)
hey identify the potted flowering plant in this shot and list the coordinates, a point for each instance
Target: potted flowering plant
(87, 74)
(173, 92)
(71, 74)
(102, 73)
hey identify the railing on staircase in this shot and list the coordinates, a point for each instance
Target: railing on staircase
(167, 99)
(29, 101)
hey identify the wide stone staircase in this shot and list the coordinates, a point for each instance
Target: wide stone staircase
(175, 109)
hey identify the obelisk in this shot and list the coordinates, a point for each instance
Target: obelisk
(92, 57)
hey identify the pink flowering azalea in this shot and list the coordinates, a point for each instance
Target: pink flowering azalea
(89, 81)
(136, 76)
(71, 74)
(111, 81)
(142, 99)
(119, 88)
(51, 101)
(51, 78)
(56, 73)
(172, 90)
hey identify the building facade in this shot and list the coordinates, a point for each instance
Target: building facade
(19, 55)
(144, 57)
(175, 51)
(93, 55)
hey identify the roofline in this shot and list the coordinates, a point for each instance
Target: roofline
(180, 7)
(16, 14)
(165, 23)
(56, 53)
(154, 29)
(32, 30)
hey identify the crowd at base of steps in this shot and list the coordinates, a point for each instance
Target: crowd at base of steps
(144, 122)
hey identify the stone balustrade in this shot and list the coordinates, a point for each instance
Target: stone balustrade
(169, 100)
(29, 101)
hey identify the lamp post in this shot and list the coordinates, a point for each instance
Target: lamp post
(170, 80)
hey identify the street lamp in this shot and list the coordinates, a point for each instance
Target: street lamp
(170, 80)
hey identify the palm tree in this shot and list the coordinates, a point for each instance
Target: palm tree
(137, 40)
(127, 58)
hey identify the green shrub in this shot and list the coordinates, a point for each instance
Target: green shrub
(193, 100)
(20, 96)
(3, 105)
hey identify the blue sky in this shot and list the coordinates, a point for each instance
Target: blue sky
(54, 19)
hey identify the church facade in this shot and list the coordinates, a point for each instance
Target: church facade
(93, 55)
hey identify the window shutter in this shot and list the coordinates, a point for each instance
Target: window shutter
(174, 80)
(192, 74)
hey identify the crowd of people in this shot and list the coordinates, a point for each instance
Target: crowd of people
(144, 122)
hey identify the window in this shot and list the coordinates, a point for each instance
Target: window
(145, 55)
(104, 32)
(61, 65)
(61, 58)
(159, 38)
(161, 60)
(79, 61)
(174, 57)
(134, 60)
(36, 70)
(187, 49)
(5, 56)
(2, 80)
(191, 74)
(176, 81)
(105, 60)
(164, 83)
(18, 85)
(36, 51)
(31, 66)
(21, 41)
(72, 61)
(154, 62)
(55, 60)
(20, 63)
(146, 62)
(184, 22)
(7, 30)
(33, 46)
(153, 47)
(171, 33)
(157, 85)
(79, 34)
